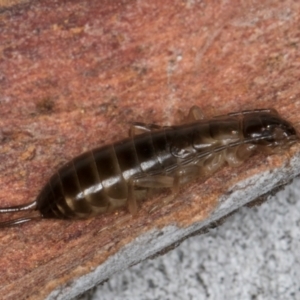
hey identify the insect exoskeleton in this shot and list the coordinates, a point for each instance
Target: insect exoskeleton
(152, 157)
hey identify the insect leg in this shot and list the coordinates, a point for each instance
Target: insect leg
(138, 128)
(146, 182)
(131, 201)
(237, 155)
(157, 181)
(181, 176)
(195, 114)
(184, 175)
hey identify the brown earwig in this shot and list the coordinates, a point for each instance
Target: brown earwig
(109, 177)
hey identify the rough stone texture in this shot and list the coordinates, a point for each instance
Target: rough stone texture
(75, 74)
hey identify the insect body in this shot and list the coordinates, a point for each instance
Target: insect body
(109, 177)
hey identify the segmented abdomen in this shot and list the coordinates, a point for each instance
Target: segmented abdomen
(97, 181)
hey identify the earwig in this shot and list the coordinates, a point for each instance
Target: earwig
(110, 177)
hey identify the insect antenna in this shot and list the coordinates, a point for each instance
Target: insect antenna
(18, 208)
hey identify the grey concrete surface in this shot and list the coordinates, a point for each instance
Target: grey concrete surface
(253, 255)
